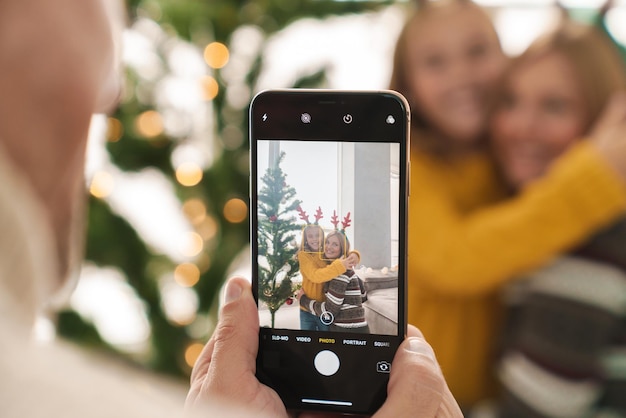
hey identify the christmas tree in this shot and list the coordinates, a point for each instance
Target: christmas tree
(277, 246)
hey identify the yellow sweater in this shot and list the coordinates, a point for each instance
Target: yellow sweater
(463, 246)
(316, 271)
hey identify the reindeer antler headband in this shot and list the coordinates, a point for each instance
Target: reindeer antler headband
(345, 223)
(303, 215)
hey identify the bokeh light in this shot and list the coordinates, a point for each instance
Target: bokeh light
(194, 244)
(235, 210)
(192, 352)
(149, 124)
(189, 174)
(102, 184)
(115, 130)
(187, 274)
(127, 326)
(179, 303)
(207, 228)
(216, 55)
(195, 210)
(210, 87)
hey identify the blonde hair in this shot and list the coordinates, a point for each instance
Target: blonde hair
(594, 58)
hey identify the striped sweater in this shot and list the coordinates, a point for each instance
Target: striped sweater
(344, 295)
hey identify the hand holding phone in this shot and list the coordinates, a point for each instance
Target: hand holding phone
(223, 380)
(328, 191)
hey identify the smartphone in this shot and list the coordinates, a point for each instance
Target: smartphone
(328, 208)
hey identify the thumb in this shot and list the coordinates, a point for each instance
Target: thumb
(236, 340)
(229, 358)
(416, 385)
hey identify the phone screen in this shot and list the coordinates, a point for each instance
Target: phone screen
(328, 209)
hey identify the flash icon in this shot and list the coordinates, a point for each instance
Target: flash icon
(264, 117)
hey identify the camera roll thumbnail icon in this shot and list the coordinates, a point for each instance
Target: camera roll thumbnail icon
(383, 367)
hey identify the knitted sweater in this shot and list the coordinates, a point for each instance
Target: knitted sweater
(566, 329)
(345, 295)
(316, 271)
(463, 247)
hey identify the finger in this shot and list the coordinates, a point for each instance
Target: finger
(390, 410)
(235, 340)
(203, 362)
(416, 384)
(201, 366)
(199, 372)
(449, 406)
(413, 331)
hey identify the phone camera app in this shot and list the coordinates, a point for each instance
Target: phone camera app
(305, 118)
(383, 367)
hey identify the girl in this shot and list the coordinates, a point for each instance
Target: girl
(465, 239)
(342, 306)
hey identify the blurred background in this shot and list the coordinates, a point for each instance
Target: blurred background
(168, 170)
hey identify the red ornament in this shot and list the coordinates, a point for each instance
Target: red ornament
(273, 218)
(289, 301)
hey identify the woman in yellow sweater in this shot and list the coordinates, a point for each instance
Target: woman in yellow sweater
(465, 237)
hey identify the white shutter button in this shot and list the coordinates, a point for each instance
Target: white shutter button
(326, 362)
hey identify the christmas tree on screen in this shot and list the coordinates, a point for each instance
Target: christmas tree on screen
(277, 245)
